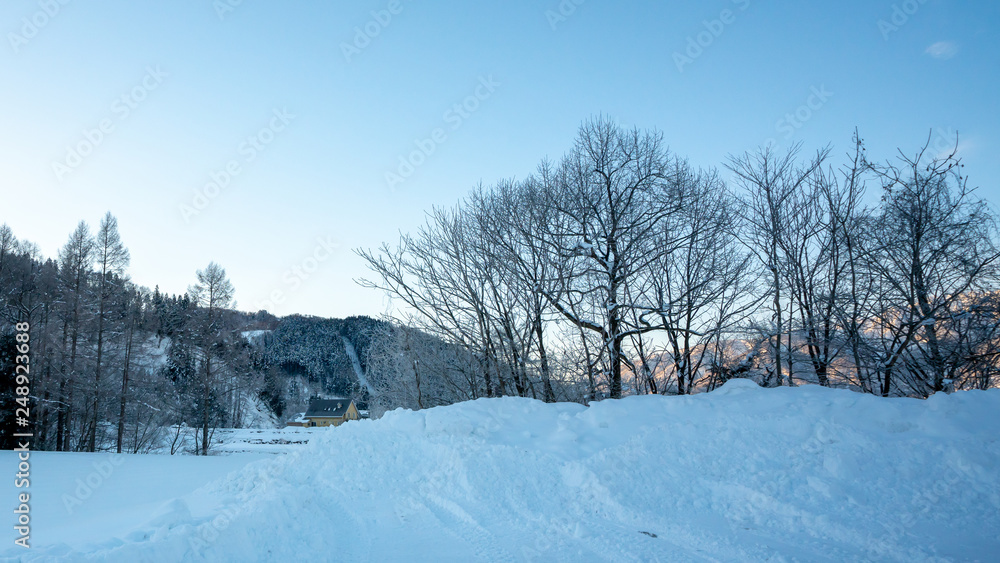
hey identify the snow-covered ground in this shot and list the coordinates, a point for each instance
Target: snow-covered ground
(261, 440)
(79, 498)
(740, 474)
(226, 441)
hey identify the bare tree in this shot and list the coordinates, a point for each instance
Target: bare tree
(771, 182)
(933, 245)
(972, 342)
(75, 259)
(8, 247)
(411, 369)
(512, 217)
(214, 294)
(133, 316)
(849, 298)
(637, 272)
(440, 279)
(702, 287)
(112, 258)
(615, 195)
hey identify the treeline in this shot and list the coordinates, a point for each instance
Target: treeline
(117, 366)
(621, 269)
(114, 365)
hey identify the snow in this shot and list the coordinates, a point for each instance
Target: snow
(256, 414)
(154, 353)
(226, 441)
(253, 335)
(77, 498)
(739, 474)
(356, 365)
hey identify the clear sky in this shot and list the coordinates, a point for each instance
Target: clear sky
(301, 108)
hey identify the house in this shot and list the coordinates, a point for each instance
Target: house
(330, 412)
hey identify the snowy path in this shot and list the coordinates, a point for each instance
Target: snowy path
(356, 364)
(741, 474)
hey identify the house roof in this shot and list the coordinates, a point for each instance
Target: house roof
(327, 407)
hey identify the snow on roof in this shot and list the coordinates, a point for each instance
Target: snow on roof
(327, 407)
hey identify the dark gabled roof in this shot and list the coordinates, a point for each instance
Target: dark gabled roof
(327, 407)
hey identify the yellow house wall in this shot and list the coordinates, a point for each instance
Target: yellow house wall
(326, 421)
(351, 414)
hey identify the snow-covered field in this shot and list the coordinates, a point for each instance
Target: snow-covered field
(740, 474)
(227, 441)
(79, 498)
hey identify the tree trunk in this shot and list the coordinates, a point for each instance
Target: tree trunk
(92, 438)
(550, 396)
(205, 403)
(778, 316)
(125, 374)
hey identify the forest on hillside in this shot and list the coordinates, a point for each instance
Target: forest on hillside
(116, 366)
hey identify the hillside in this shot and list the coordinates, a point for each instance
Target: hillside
(329, 354)
(738, 474)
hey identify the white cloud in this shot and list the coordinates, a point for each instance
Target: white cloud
(942, 50)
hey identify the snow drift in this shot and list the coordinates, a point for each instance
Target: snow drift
(739, 474)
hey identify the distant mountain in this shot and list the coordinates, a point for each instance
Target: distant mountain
(328, 354)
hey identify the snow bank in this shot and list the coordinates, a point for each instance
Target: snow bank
(80, 498)
(740, 474)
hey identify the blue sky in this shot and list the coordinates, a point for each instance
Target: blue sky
(309, 129)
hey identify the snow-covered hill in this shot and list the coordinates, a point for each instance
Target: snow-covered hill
(739, 474)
